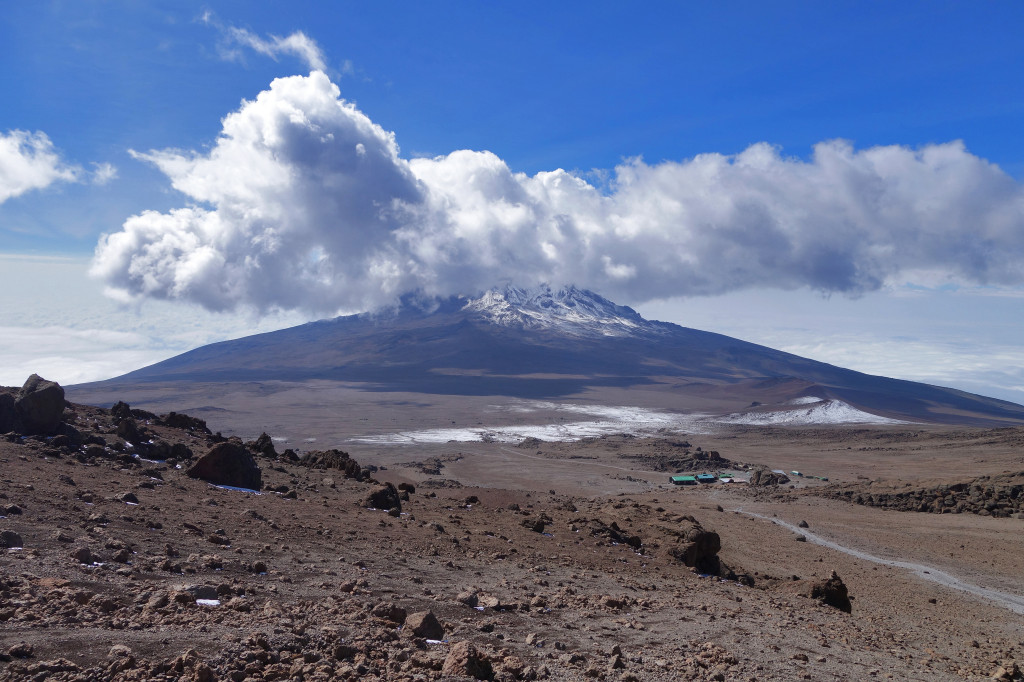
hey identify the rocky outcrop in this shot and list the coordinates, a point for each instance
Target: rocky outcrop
(120, 411)
(128, 429)
(695, 546)
(8, 413)
(228, 463)
(39, 406)
(178, 420)
(832, 592)
(999, 496)
(679, 459)
(762, 477)
(264, 445)
(610, 532)
(333, 459)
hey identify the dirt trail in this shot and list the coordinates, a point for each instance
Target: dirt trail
(1013, 602)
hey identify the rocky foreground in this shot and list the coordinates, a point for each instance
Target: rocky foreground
(143, 547)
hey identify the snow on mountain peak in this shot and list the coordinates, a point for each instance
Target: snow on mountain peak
(568, 309)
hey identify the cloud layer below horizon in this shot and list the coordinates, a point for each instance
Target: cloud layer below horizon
(304, 203)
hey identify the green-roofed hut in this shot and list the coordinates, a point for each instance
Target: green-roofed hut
(683, 480)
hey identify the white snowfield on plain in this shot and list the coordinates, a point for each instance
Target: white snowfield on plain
(810, 411)
(637, 421)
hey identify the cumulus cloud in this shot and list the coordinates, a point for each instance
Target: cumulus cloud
(29, 161)
(305, 203)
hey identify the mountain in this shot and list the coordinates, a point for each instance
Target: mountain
(549, 343)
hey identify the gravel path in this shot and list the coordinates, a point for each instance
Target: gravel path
(1014, 602)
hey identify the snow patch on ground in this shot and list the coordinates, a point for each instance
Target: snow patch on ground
(610, 420)
(638, 421)
(816, 412)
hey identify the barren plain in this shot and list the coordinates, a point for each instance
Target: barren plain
(505, 560)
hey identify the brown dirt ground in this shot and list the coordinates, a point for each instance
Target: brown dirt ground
(555, 605)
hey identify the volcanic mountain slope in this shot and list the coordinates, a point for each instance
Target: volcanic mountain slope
(546, 343)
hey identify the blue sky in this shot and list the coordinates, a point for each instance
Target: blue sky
(130, 94)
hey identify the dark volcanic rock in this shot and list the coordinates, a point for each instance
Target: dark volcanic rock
(40, 406)
(264, 445)
(536, 523)
(8, 414)
(9, 538)
(833, 592)
(129, 430)
(228, 463)
(121, 410)
(610, 532)
(697, 547)
(384, 497)
(1001, 495)
(178, 420)
(333, 459)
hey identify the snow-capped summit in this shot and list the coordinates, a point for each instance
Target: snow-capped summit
(570, 310)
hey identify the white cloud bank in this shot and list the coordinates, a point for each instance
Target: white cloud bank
(29, 161)
(304, 203)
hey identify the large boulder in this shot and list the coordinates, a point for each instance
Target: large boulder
(424, 624)
(697, 547)
(8, 538)
(383, 497)
(766, 477)
(228, 463)
(178, 420)
(832, 592)
(464, 660)
(264, 445)
(333, 459)
(8, 413)
(536, 523)
(129, 430)
(39, 406)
